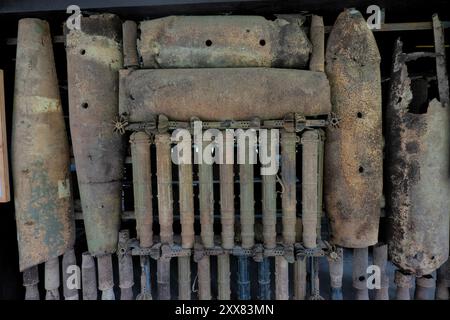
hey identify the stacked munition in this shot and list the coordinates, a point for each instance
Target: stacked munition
(353, 148)
(40, 154)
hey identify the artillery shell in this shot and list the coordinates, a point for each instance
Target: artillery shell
(88, 277)
(105, 276)
(223, 41)
(353, 149)
(69, 265)
(94, 56)
(222, 94)
(130, 55)
(52, 279)
(40, 151)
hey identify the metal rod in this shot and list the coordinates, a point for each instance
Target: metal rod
(223, 277)
(130, 55)
(281, 278)
(165, 209)
(146, 288)
(264, 279)
(360, 264)
(184, 278)
(204, 278)
(300, 274)
(317, 35)
(52, 279)
(88, 277)
(404, 283)
(105, 276)
(126, 281)
(380, 257)
(441, 67)
(30, 282)
(70, 276)
(425, 287)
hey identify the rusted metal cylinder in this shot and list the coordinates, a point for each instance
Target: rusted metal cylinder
(336, 269)
(264, 292)
(88, 277)
(94, 56)
(227, 190)
(204, 278)
(353, 150)
(125, 259)
(223, 41)
(40, 151)
(184, 278)
(222, 94)
(30, 282)
(223, 277)
(105, 276)
(418, 170)
(380, 258)
(425, 287)
(269, 204)
(52, 282)
(404, 283)
(289, 179)
(360, 264)
(317, 35)
(246, 183)
(281, 278)
(442, 282)
(206, 200)
(130, 55)
(312, 144)
(163, 278)
(70, 275)
(142, 187)
(300, 279)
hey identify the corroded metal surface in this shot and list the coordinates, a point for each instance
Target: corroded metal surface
(403, 283)
(94, 56)
(223, 277)
(227, 190)
(359, 266)
(380, 258)
(130, 55)
(223, 41)
(281, 278)
(288, 144)
(52, 282)
(222, 94)
(30, 282)
(125, 260)
(88, 277)
(105, 276)
(353, 150)
(40, 151)
(317, 34)
(204, 278)
(418, 175)
(425, 287)
(336, 269)
(142, 187)
(184, 278)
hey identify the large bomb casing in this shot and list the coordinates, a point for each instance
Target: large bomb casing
(94, 56)
(222, 94)
(40, 151)
(353, 150)
(418, 176)
(223, 41)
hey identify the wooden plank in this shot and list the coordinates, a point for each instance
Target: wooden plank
(4, 173)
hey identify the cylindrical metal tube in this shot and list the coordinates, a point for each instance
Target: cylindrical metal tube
(243, 278)
(30, 282)
(204, 278)
(246, 182)
(403, 283)
(184, 278)
(94, 57)
(312, 143)
(418, 169)
(163, 278)
(317, 35)
(40, 151)
(105, 276)
(70, 275)
(219, 94)
(126, 281)
(227, 190)
(223, 277)
(223, 41)
(269, 194)
(336, 269)
(425, 287)
(206, 199)
(300, 279)
(264, 279)
(380, 257)
(354, 145)
(289, 179)
(360, 264)
(142, 187)
(130, 55)
(52, 279)
(88, 277)
(146, 288)
(281, 278)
